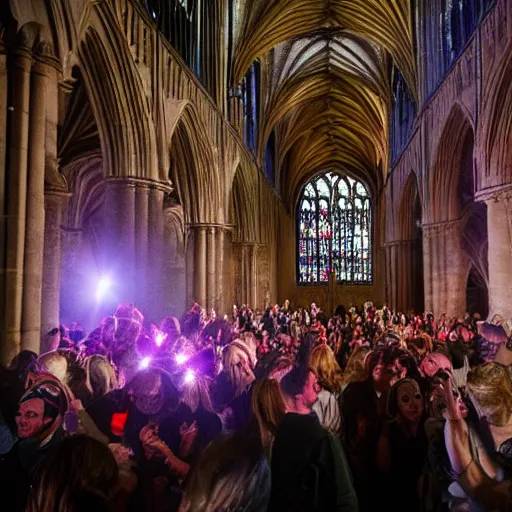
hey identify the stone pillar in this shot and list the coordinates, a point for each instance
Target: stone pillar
(120, 237)
(142, 244)
(212, 268)
(253, 276)
(55, 203)
(190, 267)
(16, 194)
(221, 271)
(34, 234)
(157, 307)
(200, 265)
(427, 269)
(499, 227)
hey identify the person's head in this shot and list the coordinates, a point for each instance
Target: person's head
(490, 385)
(434, 362)
(56, 364)
(152, 390)
(128, 322)
(406, 401)
(356, 370)
(268, 406)
(231, 474)
(196, 393)
(300, 389)
(383, 367)
(323, 363)
(24, 363)
(100, 375)
(236, 362)
(171, 327)
(78, 467)
(41, 411)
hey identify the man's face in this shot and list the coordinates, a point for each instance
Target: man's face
(30, 419)
(311, 390)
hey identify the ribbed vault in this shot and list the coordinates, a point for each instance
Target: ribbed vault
(327, 82)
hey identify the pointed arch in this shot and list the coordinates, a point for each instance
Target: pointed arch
(193, 170)
(118, 100)
(409, 204)
(244, 206)
(495, 137)
(444, 184)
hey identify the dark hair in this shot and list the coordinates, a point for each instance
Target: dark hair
(293, 383)
(231, 474)
(78, 466)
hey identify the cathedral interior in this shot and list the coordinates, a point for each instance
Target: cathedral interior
(252, 151)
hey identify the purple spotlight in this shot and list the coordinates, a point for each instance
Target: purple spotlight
(103, 287)
(181, 358)
(190, 376)
(144, 364)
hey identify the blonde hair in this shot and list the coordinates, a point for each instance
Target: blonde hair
(236, 364)
(491, 386)
(269, 408)
(324, 365)
(56, 364)
(100, 375)
(356, 370)
(196, 393)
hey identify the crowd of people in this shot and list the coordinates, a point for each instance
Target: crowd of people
(280, 410)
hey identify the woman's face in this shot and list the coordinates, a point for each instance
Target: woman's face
(410, 402)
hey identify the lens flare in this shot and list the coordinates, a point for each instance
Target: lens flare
(160, 338)
(190, 376)
(145, 363)
(103, 287)
(181, 358)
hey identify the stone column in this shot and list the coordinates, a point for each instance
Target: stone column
(212, 268)
(253, 276)
(190, 267)
(16, 194)
(455, 269)
(200, 265)
(34, 234)
(55, 202)
(427, 269)
(221, 271)
(120, 237)
(156, 253)
(142, 243)
(499, 227)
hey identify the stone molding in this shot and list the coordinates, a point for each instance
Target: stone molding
(495, 194)
(435, 228)
(131, 181)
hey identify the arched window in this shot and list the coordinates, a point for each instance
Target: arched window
(334, 230)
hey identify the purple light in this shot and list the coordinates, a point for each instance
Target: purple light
(160, 338)
(145, 363)
(103, 287)
(189, 376)
(181, 358)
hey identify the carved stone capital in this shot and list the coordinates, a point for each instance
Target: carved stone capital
(498, 194)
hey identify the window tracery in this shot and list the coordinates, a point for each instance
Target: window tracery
(334, 230)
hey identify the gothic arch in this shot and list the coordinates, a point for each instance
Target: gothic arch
(118, 100)
(244, 208)
(495, 139)
(193, 171)
(410, 292)
(445, 178)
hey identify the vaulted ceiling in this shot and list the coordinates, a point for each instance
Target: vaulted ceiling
(326, 79)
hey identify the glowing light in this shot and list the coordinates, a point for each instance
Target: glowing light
(145, 363)
(181, 358)
(103, 287)
(160, 338)
(190, 376)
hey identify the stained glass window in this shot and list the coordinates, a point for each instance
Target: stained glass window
(334, 230)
